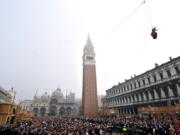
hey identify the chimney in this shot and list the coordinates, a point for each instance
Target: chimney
(170, 58)
(156, 65)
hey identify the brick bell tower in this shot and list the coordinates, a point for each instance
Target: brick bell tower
(89, 95)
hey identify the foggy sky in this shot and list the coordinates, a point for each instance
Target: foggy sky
(41, 42)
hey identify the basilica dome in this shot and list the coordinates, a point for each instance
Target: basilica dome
(45, 97)
(57, 94)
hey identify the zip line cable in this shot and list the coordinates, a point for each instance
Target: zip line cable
(126, 18)
(149, 15)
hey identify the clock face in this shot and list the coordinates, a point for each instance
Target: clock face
(89, 49)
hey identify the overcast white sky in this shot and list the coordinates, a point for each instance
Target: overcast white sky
(41, 41)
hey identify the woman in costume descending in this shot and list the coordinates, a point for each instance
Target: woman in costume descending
(154, 33)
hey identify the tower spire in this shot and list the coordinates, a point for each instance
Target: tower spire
(88, 35)
(89, 42)
(89, 94)
(88, 38)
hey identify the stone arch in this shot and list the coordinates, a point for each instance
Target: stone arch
(12, 120)
(36, 111)
(152, 94)
(14, 110)
(158, 93)
(124, 100)
(120, 100)
(174, 90)
(43, 111)
(52, 110)
(8, 120)
(132, 98)
(140, 97)
(171, 92)
(164, 92)
(68, 111)
(116, 101)
(146, 95)
(74, 111)
(129, 99)
(136, 97)
(149, 95)
(62, 111)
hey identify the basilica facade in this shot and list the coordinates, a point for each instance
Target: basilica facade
(55, 105)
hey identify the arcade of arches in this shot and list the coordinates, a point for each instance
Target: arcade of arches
(55, 111)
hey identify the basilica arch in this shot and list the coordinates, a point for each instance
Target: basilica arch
(52, 110)
(68, 111)
(74, 111)
(62, 111)
(43, 111)
(36, 111)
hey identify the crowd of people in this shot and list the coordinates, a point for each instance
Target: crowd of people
(120, 125)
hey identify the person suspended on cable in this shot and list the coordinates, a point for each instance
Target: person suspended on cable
(154, 33)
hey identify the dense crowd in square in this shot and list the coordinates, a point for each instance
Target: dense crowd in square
(120, 125)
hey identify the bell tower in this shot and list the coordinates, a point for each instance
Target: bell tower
(89, 94)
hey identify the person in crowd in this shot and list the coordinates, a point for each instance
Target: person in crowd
(121, 125)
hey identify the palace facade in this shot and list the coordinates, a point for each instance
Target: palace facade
(157, 87)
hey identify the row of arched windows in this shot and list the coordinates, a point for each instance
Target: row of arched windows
(146, 80)
(145, 96)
